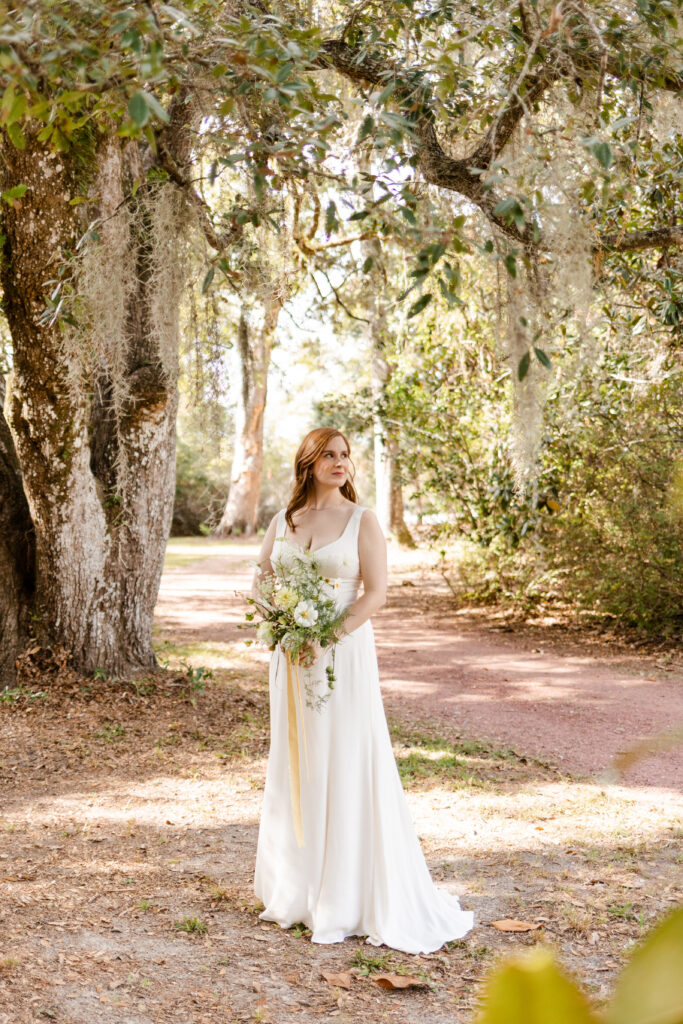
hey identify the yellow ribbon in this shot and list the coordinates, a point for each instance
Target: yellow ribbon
(293, 739)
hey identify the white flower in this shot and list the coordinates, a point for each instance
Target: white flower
(287, 599)
(329, 588)
(286, 556)
(305, 613)
(265, 634)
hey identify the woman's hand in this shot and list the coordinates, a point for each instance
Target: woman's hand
(309, 653)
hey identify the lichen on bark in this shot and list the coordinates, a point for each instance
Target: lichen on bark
(93, 392)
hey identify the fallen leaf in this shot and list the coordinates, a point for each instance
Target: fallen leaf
(341, 979)
(398, 981)
(510, 925)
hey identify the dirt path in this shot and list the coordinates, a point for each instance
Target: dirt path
(130, 813)
(574, 708)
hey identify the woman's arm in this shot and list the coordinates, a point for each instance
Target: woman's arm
(372, 551)
(264, 563)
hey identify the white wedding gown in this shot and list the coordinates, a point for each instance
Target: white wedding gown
(361, 870)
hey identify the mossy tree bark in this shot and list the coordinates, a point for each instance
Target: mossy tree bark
(100, 533)
(255, 333)
(17, 553)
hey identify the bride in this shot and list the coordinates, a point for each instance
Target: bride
(360, 870)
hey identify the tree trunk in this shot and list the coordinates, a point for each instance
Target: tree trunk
(258, 321)
(92, 402)
(17, 554)
(388, 490)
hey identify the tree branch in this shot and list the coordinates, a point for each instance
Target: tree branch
(633, 241)
(464, 175)
(437, 167)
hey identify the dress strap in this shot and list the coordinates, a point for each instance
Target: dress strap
(354, 522)
(281, 524)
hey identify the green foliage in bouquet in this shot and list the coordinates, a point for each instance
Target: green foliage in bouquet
(297, 607)
(533, 990)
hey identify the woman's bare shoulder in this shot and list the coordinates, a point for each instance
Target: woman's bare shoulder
(369, 523)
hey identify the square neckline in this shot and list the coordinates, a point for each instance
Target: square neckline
(314, 551)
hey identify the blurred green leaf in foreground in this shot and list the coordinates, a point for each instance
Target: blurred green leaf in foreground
(533, 990)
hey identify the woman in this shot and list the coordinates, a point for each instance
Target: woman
(361, 870)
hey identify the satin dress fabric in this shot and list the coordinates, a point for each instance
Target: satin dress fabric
(361, 870)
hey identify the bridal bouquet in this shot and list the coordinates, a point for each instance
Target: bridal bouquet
(297, 606)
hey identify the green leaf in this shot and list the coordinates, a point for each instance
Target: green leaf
(368, 264)
(418, 306)
(650, 988)
(17, 108)
(331, 222)
(156, 107)
(524, 364)
(603, 154)
(385, 93)
(16, 192)
(510, 211)
(366, 128)
(533, 990)
(16, 135)
(259, 185)
(449, 295)
(542, 357)
(208, 279)
(511, 265)
(602, 151)
(138, 109)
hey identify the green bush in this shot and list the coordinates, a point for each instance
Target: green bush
(603, 528)
(618, 536)
(201, 490)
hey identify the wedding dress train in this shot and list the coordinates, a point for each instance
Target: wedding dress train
(361, 870)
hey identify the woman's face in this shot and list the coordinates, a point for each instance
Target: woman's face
(331, 469)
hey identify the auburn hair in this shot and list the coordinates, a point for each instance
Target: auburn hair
(310, 450)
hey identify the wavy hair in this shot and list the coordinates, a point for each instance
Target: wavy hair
(310, 449)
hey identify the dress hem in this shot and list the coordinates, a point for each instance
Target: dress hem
(373, 940)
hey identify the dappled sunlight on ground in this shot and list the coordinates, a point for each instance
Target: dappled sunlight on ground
(130, 819)
(573, 708)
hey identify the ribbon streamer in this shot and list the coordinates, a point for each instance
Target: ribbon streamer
(293, 739)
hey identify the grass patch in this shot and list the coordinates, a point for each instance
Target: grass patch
(623, 912)
(182, 551)
(368, 964)
(12, 695)
(191, 925)
(111, 732)
(425, 758)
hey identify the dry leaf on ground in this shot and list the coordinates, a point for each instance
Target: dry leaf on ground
(399, 981)
(341, 979)
(510, 925)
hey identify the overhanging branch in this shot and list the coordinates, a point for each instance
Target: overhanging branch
(633, 241)
(464, 175)
(413, 97)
